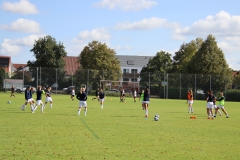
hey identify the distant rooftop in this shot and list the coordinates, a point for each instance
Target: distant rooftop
(71, 65)
(130, 61)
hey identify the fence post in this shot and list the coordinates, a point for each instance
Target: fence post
(37, 77)
(180, 87)
(195, 97)
(40, 76)
(210, 82)
(167, 87)
(56, 81)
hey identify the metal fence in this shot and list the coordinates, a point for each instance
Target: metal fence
(162, 85)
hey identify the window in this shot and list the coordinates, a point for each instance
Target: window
(134, 79)
(125, 70)
(133, 70)
(130, 62)
(126, 79)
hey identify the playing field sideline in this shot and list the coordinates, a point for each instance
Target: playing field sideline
(118, 131)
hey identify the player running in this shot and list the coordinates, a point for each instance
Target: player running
(97, 94)
(48, 97)
(12, 92)
(73, 94)
(39, 99)
(221, 105)
(101, 97)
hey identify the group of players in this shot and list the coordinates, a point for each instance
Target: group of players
(211, 107)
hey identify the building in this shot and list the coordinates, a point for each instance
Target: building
(5, 62)
(72, 64)
(131, 66)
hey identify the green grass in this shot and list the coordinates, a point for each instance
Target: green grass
(119, 131)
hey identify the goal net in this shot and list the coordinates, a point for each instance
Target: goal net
(117, 85)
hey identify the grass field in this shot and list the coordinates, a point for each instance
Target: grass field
(118, 131)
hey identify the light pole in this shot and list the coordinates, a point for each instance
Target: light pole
(72, 78)
(37, 77)
(5, 79)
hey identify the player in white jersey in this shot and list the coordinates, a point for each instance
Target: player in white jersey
(48, 97)
(135, 95)
(73, 94)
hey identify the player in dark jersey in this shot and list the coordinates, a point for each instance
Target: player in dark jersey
(82, 97)
(96, 94)
(101, 97)
(39, 99)
(12, 92)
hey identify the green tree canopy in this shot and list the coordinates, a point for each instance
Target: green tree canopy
(157, 66)
(101, 62)
(209, 59)
(49, 56)
(185, 54)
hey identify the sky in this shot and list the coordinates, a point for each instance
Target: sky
(130, 27)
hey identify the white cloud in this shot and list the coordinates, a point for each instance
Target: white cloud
(23, 25)
(145, 24)
(221, 25)
(126, 5)
(85, 37)
(120, 48)
(22, 7)
(99, 34)
(13, 46)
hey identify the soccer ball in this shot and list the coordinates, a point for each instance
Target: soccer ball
(156, 118)
(9, 102)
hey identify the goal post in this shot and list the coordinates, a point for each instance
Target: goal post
(117, 85)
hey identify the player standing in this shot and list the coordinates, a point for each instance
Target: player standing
(73, 94)
(39, 99)
(210, 100)
(101, 97)
(82, 97)
(134, 95)
(190, 101)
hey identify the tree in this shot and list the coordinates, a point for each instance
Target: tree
(157, 66)
(50, 57)
(185, 54)
(19, 75)
(210, 60)
(98, 62)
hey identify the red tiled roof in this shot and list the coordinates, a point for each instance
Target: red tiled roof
(19, 66)
(71, 65)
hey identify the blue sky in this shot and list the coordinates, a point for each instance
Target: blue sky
(130, 27)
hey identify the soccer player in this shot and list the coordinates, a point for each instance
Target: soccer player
(73, 94)
(28, 98)
(39, 99)
(48, 97)
(146, 101)
(210, 100)
(101, 97)
(141, 96)
(134, 95)
(215, 107)
(97, 94)
(82, 97)
(190, 101)
(33, 102)
(221, 105)
(122, 95)
(12, 92)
